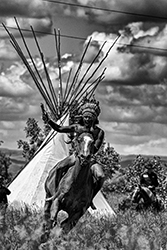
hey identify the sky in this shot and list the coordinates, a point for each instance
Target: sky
(133, 94)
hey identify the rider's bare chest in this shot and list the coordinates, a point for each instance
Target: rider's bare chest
(91, 130)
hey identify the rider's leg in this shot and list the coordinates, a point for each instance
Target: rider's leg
(63, 166)
(136, 195)
(150, 195)
(99, 178)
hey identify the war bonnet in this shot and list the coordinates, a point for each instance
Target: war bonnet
(91, 107)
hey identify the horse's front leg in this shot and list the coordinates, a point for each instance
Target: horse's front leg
(68, 224)
(47, 220)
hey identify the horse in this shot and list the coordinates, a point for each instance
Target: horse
(73, 193)
(142, 198)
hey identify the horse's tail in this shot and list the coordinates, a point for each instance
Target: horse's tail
(52, 198)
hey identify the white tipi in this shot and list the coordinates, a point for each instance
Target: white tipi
(28, 186)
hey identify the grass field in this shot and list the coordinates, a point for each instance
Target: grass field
(129, 230)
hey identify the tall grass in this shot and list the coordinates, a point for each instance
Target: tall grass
(127, 231)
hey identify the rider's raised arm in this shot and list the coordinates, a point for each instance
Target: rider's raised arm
(54, 125)
(61, 129)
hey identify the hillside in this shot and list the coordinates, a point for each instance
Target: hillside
(18, 161)
(128, 159)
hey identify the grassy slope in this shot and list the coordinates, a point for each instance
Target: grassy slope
(127, 159)
(128, 231)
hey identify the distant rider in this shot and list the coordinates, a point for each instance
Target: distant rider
(148, 182)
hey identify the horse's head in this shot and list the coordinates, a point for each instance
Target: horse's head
(84, 146)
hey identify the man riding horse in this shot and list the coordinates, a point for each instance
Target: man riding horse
(148, 184)
(88, 123)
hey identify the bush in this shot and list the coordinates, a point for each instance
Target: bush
(126, 179)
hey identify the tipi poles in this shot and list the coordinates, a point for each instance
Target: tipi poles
(83, 90)
(50, 85)
(72, 89)
(60, 88)
(67, 84)
(96, 69)
(43, 90)
(100, 63)
(79, 68)
(59, 103)
(80, 93)
(86, 72)
(20, 53)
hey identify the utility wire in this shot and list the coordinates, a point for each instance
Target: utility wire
(104, 9)
(83, 39)
(47, 33)
(96, 8)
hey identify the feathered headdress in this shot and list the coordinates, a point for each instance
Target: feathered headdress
(91, 106)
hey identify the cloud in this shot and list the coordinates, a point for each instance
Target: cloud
(126, 68)
(26, 8)
(18, 109)
(91, 52)
(133, 104)
(18, 100)
(156, 147)
(19, 96)
(11, 84)
(11, 132)
(132, 96)
(136, 138)
(7, 52)
(41, 26)
(10, 87)
(113, 13)
(28, 13)
(138, 38)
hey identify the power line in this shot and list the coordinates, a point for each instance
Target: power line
(83, 39)
(47, 33)
(107, 10)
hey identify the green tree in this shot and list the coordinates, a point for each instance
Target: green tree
(35, 137)
(109, 158)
